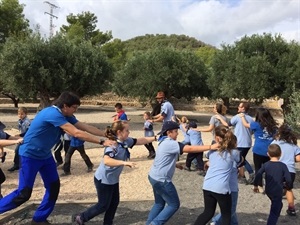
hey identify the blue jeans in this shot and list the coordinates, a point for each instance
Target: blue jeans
(108, 201)
(164, 193)
(244, 152)
(234, 220)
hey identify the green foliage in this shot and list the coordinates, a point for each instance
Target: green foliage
(150, 41)
(179, 73)
(35, 66)
(12, 20)
(254, 67)
(293, 116)
(83, 27)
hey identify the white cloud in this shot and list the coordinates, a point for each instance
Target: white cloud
(211, 21)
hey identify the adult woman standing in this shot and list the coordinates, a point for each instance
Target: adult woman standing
(264, 128)
(220, 111)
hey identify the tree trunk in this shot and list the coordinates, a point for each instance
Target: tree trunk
(285, 107)
(13, 98)
(44, 101)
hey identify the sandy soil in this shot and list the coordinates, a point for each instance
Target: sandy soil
(136, 192)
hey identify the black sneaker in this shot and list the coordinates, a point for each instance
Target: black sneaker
(291, 212)
(187, 168)
(64, 174)
(3, 157)
(58, 164)
(90, 168)
(151, 155)
(12, 169)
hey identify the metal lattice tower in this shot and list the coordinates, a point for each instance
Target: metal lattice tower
(52, 6)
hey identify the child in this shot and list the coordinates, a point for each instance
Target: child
(108, 173)
(6, 140)
(216, 182)
(276, 173)
(195, 139)
(23, 126)
(121, 115)
(287, 141)
(166, 200)
(183, 126)
(148, 128)
(76, 144)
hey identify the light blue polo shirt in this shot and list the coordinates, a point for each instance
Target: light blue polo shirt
(24, 124)
(195, 137)
(44, 132)
(111, 174)
(242, 133)
(215, 122)
(148, 127)
(219, 171)
(164, 163)
(288, 153)
(167, 111)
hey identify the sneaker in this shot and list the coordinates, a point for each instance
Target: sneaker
(251, 178)
(187, 168)
(201, 172)
(65, 174)
(46, 222)
(151, 155)
(90, 169)
(3, 157)
(12, 169)
(77, 219)
(242, 180)
(291, 212)
(58, 164)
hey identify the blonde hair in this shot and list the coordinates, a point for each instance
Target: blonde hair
(111, 131)
(184, 119)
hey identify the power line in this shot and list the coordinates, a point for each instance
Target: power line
(52, 6)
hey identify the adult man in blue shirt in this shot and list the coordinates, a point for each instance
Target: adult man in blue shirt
(36, 156)
(167, 110)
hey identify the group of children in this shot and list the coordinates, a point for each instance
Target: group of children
(277, 162)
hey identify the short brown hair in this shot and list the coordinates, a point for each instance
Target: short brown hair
(274, 150)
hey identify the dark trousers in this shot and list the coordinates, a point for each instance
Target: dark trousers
(258, 161)
(150, 147)
(17, 157)
(108, 201)
(2, 177)
(210, 203)
(84, 156)
(59, 146)
(198, 156)
(276, 206)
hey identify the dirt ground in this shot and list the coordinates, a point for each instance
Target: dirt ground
(78, 192)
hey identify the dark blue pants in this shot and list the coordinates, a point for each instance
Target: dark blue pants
(108, 201)
(276, 206)
(27, 174)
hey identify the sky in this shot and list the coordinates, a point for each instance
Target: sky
(214, 22)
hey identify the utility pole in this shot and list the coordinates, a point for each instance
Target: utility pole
(52, 6)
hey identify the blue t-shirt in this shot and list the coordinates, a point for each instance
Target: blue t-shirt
(219, 171)
(167, 111)
(23, 125)
(164, 163)
(76, 142)
(215, 122)
(148, 127)
(123, 116)
(242, 133)
(44, 132)
(4, 135)
(111, 174)
(288, 154)
(262, 139)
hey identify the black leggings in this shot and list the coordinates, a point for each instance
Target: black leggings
(2, 177)
(210, 203)
(258, 161)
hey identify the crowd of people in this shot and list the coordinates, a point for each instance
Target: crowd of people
(275, 153)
